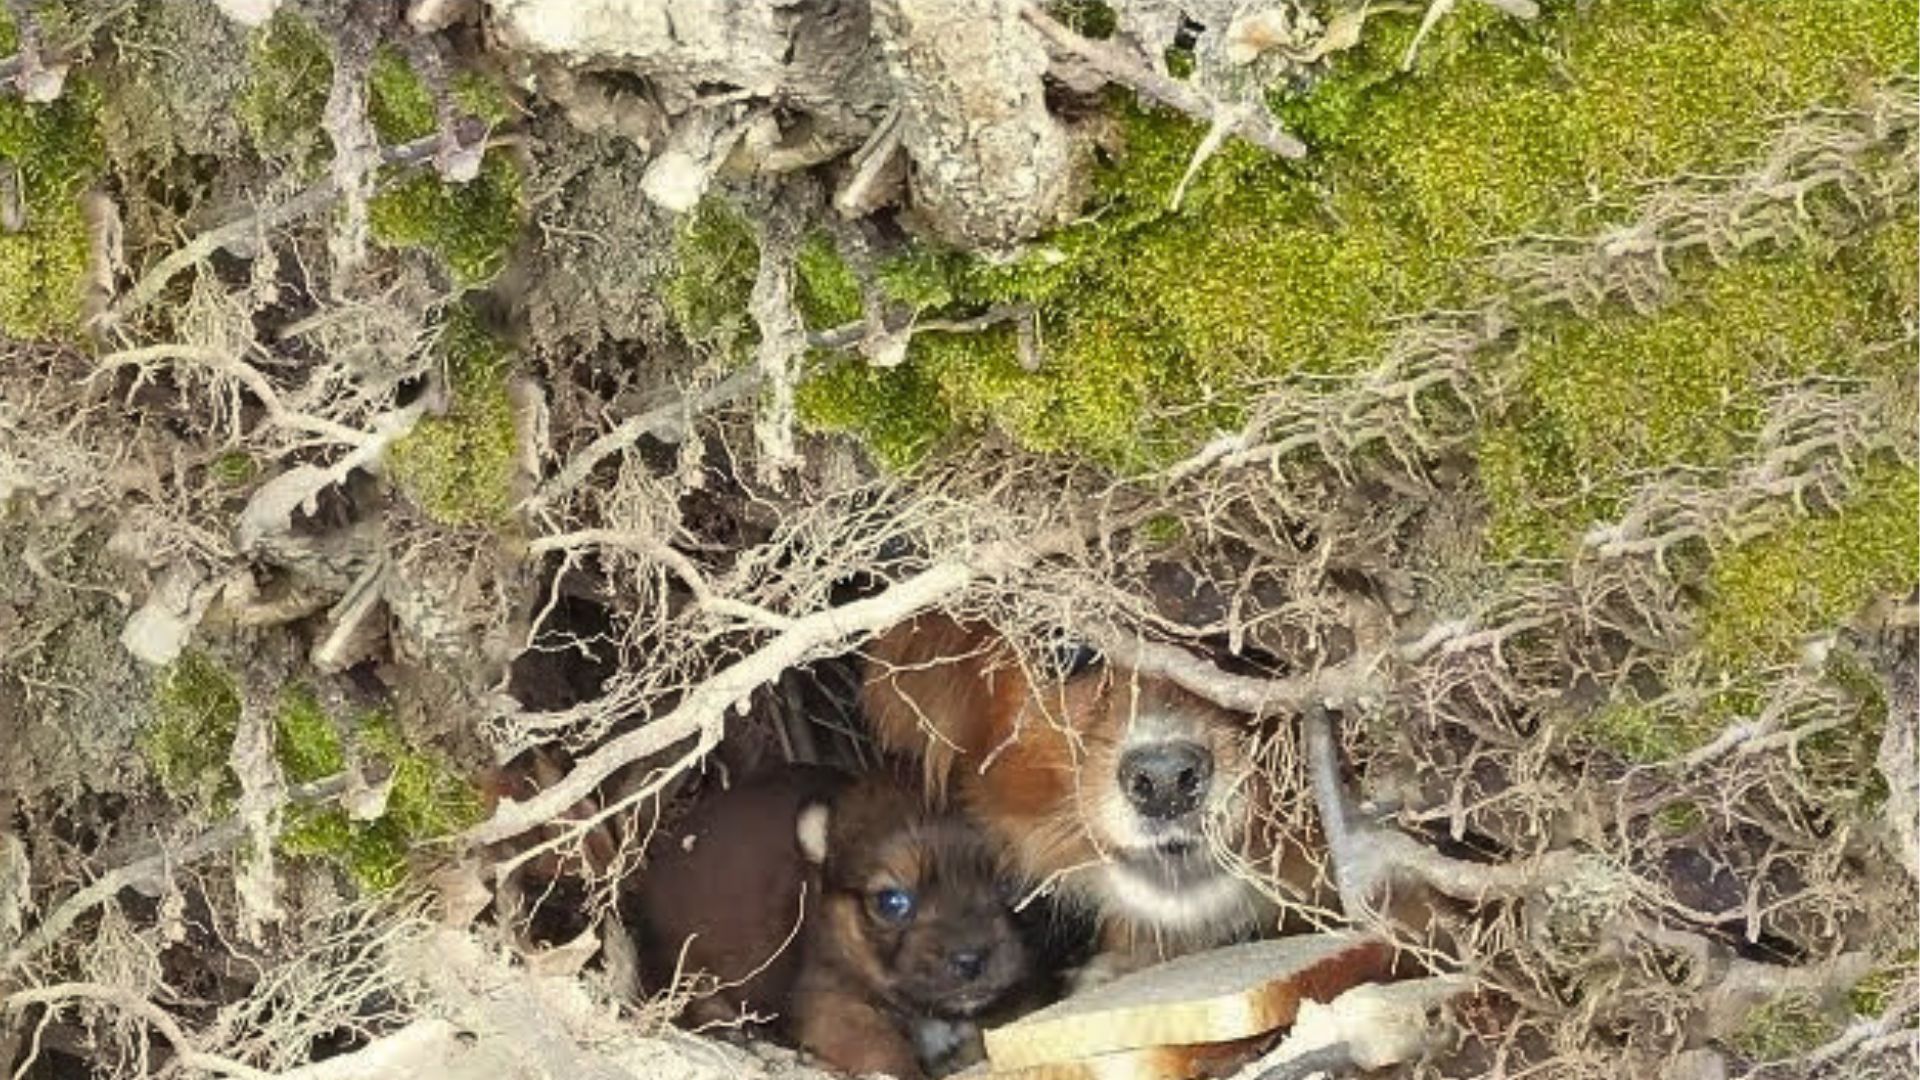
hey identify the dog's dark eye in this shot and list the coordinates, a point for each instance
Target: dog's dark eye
(893, 905)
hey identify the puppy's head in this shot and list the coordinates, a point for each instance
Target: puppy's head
(1126, 787)
(915, 905)
(1116, 788)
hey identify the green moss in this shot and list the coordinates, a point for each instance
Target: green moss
(398, 101)
(1839, 764)
(1679, 818)
(1088, 18)
(471, 227)
(1514, 120)
(1895, 254)
(187, 744)
(1163, 530)
(715, 261)
(290, 73)
(825, 288)
(459, 467)
(896, 412)
(477, 95)
(305, 740)
(1764, 600)
(235, 468)
(1179, 61)
(401, 105)
(373, 854)
(1784, 1027)
(1768, 595)
(1871, 995)
(1604, 399)
(1503, 128)
(426, 800)
(53, 151)
(1643, 732)
(1361, 76)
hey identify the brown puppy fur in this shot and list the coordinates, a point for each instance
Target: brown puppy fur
(905, 916)
(722, 893)
(1109, 785)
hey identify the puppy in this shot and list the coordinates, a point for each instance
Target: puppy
(865, 923)
(1115, 788)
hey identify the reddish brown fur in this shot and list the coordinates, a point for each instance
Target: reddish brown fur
(1038, 765)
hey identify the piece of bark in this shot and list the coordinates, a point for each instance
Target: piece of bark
(810, 56)
(990, 165)
(1209, 997)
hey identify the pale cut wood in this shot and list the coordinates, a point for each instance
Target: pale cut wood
(1150, 1062)
(1210, 997)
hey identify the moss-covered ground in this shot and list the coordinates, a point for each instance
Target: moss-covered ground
(1503, 128)
(469, 226)
(197, 712)
(425, 801)
(50, 153)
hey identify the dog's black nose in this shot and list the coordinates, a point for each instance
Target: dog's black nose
(968, 963)
(1166, 780)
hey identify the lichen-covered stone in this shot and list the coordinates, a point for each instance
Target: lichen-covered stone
(156, 106)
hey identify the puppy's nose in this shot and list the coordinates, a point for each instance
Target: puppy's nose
(968, 963)
(1167, 779)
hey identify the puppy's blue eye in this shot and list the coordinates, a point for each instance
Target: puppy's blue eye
(893, 905)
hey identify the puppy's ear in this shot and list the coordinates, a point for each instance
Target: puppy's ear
(810, 829)
(935, 689)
